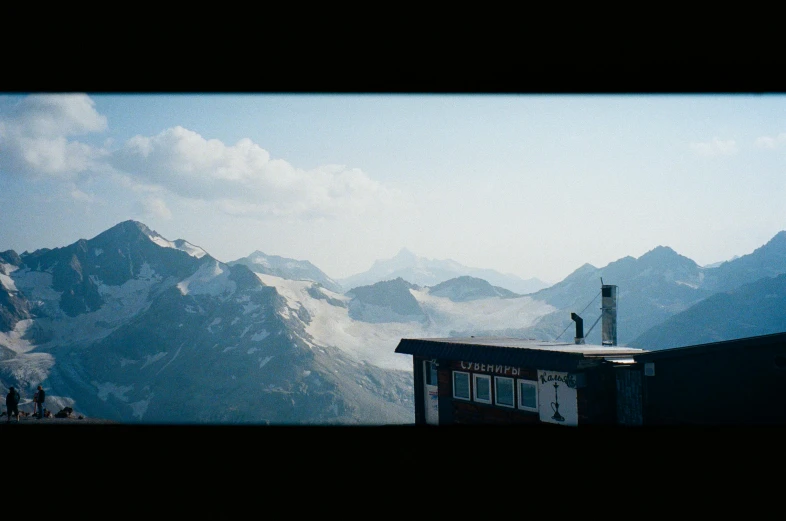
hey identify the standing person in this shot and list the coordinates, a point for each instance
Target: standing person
(12, 402)
(39, 399)
(35, 403)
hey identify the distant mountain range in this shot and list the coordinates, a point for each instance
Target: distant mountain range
(757, 308)
(132, 327)
(429, 272)
(650, 289)
(748, 300)
(659, 285)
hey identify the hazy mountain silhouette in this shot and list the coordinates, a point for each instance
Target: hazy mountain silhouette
(464, 288)
(429, 272)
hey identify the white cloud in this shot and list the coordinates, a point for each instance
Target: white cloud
(80, 196)
(156, 207)
(772, 142)
(52, 115)
(715, 147)
(34, 136)
(36, 140)
(242, 178)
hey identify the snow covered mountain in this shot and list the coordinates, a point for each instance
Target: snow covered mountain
(131, 327)
(429, 272)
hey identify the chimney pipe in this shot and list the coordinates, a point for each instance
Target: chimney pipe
(579, 328)
(608, 311)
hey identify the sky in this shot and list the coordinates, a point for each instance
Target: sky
(534, 185)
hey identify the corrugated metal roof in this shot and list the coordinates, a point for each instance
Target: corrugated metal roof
(515, 352)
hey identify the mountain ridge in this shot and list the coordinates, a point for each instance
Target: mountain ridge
(284, 267)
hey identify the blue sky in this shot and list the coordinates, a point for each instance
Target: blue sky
(534, 185)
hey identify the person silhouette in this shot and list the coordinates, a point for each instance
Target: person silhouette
(12, 403)
(40, 395)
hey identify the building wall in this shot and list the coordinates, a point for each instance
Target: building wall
(741, 386)
(629, 396)
(597, 395)
(595, 398)
(462, 412)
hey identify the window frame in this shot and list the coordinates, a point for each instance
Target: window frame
(512, 381)
(475, 378)
(469, 385)
(534, 384)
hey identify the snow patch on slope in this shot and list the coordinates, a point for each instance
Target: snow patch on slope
(14, 340)
(37, 285)
(211, 279)
(29, 369)
(154, 358)
(194, 251)
(120, 303)
(258, 337)
(293, 293)
(260, 259)
(139, 408)
(5, 280)
(107, 389)
(689, 284)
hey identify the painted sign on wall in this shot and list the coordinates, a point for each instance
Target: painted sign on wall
(557, 401)
(490, 368)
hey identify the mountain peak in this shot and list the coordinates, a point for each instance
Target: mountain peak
(404, 253)
(662, 255)
(129, 227)
(660, 250)
(585, 268)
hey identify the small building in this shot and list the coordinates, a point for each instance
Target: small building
(505, 381)
(511, 381)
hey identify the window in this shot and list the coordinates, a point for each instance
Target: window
(528, 395)
(503, 391)
(431, 372)
(482, 388)
(460, 385)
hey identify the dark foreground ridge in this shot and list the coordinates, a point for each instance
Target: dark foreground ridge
(32, 420)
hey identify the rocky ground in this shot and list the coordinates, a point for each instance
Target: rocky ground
(52, 420)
